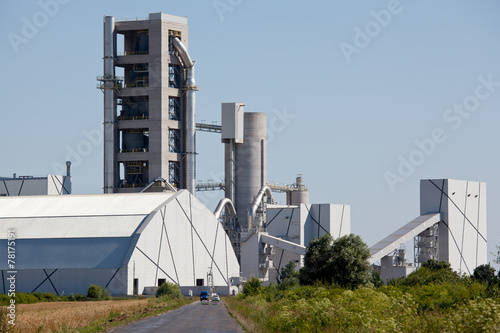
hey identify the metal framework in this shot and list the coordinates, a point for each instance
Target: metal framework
(174, 141)
(427, 245)
(212, 128)
(174, 108)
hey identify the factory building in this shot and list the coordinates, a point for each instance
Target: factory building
(29, 185)
(267, 236)
(133, 242)
(303, 222)
(128, 243)
(451, 227)
(149, 103)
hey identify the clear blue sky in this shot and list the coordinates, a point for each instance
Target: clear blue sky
(357, 101)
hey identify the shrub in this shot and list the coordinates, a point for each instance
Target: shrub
(96, 293)
(433, 273)
(484, 274)
(376, 279)
(169, 290)
(252, 287)
(22, 298)
(48, 297)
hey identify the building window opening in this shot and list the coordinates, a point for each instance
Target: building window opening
(174, 76)
(174, 108)
(174, 141)
(134, 108)
(174, 173)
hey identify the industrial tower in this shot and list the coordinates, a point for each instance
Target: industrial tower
(149, 103)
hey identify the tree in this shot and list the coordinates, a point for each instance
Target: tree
(435, 265)
(169, 290)
(289, 276)
(484, 274)
(432, 272)
(252, 287)
(343, 261)
(316, 261)
(376, 279)
(351, 267)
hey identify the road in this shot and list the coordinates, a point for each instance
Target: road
(194, 317)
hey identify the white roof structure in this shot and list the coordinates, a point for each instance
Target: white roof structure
(170, 236)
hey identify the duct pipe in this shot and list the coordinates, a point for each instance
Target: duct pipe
(257, 201)
(224, 202)
(109, 105)
(190, 124)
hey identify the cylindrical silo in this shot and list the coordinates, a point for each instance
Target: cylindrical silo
(299, 194)
(250, 164)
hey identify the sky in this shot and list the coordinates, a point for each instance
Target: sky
(364, 98)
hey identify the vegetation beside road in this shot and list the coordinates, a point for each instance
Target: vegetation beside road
(86, 316)
(432, 299)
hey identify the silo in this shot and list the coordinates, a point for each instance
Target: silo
(250, 164)
(299, 194)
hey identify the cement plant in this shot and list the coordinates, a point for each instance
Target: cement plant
(148, 227)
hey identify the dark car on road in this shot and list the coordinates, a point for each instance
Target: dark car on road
(204, 296)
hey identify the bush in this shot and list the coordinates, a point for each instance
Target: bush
(22, 298)
(96, 293)
(169, 290)
(432, 272)
(484, 274)
(252, 287)
(48, 297)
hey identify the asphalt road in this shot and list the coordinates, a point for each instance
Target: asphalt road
(192, 318)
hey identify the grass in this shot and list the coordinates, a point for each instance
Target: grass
(366, 309)
(242, 314)
(88, 317)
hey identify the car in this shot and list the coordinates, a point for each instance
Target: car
(204, 296)
(215, 298)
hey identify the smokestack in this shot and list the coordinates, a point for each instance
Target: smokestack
(68, 168)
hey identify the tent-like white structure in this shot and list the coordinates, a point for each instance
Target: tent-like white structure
(124, 242)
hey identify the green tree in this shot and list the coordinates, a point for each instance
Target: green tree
(484, 274)
(317, 261)
(376, 279)
(432, 272)
(169, 290)
(351, 267)
(289, 276)
(343, 261)
(252, 287)
(96, 293)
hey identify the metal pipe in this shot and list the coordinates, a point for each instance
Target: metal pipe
(225, 202)
(190, 124)
(258, 199)
(109, 105)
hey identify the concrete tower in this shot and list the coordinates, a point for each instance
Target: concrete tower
(149, 103)
(460, 237)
